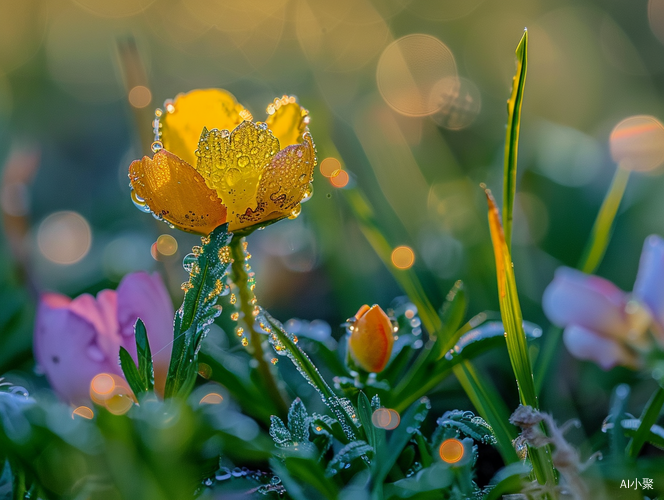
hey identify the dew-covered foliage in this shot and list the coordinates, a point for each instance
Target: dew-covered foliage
(425, 396)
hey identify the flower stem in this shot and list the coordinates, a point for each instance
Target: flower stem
(247, 305)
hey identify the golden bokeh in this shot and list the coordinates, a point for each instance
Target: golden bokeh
(83, 411)
(64, 237)
(167, 245)
(403, 257)
(330, 167)
(102, 384)
(408, 71)
(385, 418)
(637, 143)
(214, 398)
(451, 450)
(140, 96)
(340, 180)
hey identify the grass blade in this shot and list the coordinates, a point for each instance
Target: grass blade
(648, 418)
(514, 105)
(515, 336)
(600, 234)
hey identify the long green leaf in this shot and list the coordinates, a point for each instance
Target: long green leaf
(514, 105)
(517, 347)
(131, 374)
(282, 340)
(207, 275)
(145, 368)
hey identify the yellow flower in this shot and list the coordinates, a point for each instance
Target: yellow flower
(371, 339)
(213, 164)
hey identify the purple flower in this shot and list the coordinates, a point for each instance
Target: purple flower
(75, 340)
(604, 324)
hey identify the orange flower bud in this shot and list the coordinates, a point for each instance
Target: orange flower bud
(371, 340)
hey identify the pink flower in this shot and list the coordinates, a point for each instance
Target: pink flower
(75, 340)
(604, 324)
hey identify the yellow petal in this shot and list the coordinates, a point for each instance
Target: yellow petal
(372, 339)
(287, 120)
(284, 183)
(183, 119)
(177, 193)
(232, 165)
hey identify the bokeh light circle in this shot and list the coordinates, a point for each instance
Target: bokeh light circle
(330, 167)
(408, 70)
(637, 143)
(451, 450)
(403, 257)
(167, 245)
(64, 237)
(385, 418)
(140, 96)
(340, 180)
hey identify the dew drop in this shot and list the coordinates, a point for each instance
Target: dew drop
(189, 261)
(308, 193)
(233, 175)
(156, 146)
(296, 211)
(139, 202)
(243, 161)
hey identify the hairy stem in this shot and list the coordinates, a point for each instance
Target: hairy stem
(247, 305)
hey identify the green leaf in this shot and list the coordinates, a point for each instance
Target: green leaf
(365, 414)
(331, 425)
(283, 341)
(647, 421)
(130, 371)
(654, 435)
(145, 369)
(298, 421)
(452, 314)
(353, 451)
(514, 105)
(207, 265)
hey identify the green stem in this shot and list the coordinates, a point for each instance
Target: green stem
(602, 228)
(247, 305)
(648, 418)
(589, 262)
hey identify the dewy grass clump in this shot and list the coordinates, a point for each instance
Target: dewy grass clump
(145, 407)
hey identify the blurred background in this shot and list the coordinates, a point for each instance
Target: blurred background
(407, 97)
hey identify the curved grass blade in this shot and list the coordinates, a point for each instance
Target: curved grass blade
(514, 105)
(517, 347)
(647, 421)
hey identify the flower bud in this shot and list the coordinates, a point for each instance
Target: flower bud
(371, 339)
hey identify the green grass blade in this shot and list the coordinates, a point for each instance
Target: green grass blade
(600, 234)
(514, 105)
(510, 309)
(648, 418)
(517, 346)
